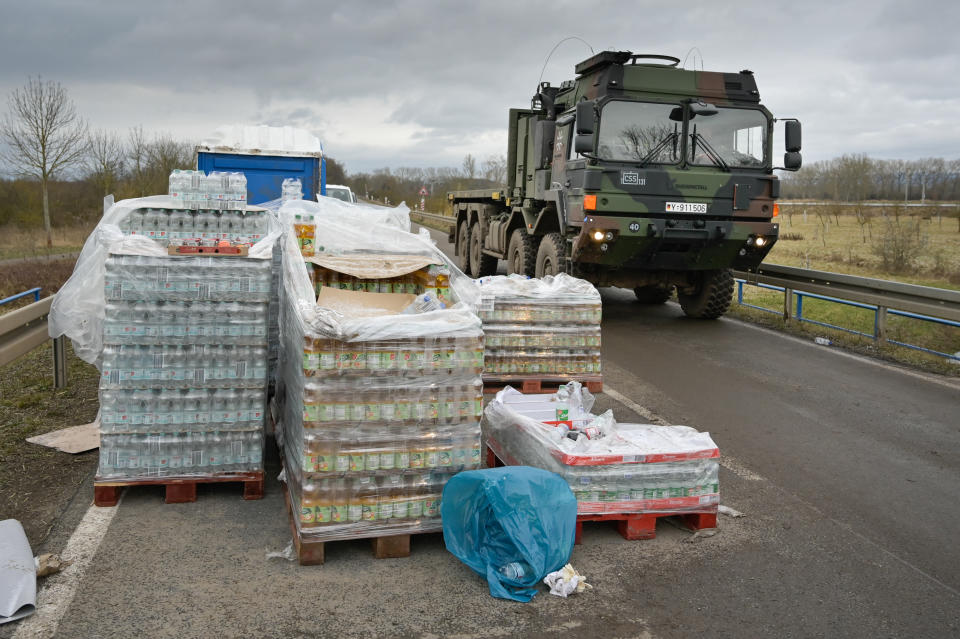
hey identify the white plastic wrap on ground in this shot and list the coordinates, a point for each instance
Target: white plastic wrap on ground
(78, 308)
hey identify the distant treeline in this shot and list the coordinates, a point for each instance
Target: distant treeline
(855, 178)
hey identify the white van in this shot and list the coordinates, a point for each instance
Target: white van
(341, 193)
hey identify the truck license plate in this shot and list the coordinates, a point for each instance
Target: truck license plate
(686, 207)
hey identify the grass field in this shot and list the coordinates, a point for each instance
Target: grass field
(16, 242)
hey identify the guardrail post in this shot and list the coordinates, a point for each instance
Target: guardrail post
(787, 303)
(880, 328)
(740, 292)
(799, 306)
(60, 362)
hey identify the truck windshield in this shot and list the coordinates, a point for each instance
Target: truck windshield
(639, 131)
(736, 137)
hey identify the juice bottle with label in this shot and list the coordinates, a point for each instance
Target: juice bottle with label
(309, 355)
(397, 495)
(402, 449)
(368, 496)
(338, 501)
(371, 455)
(326, 354)
(324, 457)
(354, 501)
(356, 456)
(308, 503)
(384, 502)
(416, 491)
(431, 499)
(309, 454)
(388, 454)
(324, 501)
(341, 457)
(445, 454)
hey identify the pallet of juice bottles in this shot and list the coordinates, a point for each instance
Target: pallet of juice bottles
(379, 384)
(540, 333)
(629, 473)
(180, 341)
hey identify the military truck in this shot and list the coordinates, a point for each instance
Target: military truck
(638, 174)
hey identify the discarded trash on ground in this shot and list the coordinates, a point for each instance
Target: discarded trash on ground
(287, 553)
(701, 534)
(823, 341)
(511, 525)
(729, 512)
(566, 581)
(49, 564)
(18, 575)
(73, 440)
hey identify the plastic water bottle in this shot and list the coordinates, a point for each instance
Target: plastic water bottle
(515, 570)
(823, 341)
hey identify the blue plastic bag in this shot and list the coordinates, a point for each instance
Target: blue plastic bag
(498, 516)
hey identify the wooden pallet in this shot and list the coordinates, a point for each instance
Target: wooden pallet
(494, 384)
(179, 490)
(632, 526)
(310, 552)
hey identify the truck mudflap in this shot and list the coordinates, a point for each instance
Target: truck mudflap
(689, 243)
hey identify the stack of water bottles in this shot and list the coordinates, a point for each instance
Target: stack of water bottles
(291, 189)
(183, 385)
(216, 191)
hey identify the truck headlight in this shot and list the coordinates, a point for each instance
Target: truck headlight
(598, 235)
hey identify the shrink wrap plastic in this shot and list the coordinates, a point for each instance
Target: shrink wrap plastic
(180, 342)
(622, 468)
(78, 310)
(540, 328)
(377, 407)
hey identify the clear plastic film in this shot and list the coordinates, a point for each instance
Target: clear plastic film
(79, 308)
(611, 468)
(378, 407)
(180, 341)
(541, 328)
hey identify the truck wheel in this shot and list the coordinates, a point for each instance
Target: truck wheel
(552, 256)
(463, 246)
(653, 294)
(480, 264)
(712, 297)
(522, 253)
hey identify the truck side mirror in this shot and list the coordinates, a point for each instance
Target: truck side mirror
(792, 160)
(792, 136)
(586, 118)
(583, 143)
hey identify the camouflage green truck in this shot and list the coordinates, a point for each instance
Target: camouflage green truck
(636, 174)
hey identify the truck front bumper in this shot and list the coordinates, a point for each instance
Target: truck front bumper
(674, 243)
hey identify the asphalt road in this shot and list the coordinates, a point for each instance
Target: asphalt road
(847, 469)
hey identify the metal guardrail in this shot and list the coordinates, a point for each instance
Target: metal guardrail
(25, 329)
(941, 306)
(436, 218)
(35, 291)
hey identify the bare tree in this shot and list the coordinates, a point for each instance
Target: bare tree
(44, 135)
(495, 169)
(137, 149)
(105, 160)
(469, 166)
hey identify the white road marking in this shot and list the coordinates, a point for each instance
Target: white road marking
(730, 463)
(58, 591)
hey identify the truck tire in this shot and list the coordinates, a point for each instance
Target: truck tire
(653, 294)
(481, 265)
(712, 297)
(552, 255)
(522, 253)
(463, 244)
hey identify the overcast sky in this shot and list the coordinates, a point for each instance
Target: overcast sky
(423, 83)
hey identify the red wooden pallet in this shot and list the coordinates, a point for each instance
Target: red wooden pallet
(310, 552)
(494, 384)
(179, 490)
(632, 526)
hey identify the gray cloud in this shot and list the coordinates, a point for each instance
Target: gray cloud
(421, 82)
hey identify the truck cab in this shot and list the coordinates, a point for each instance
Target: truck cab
(636, 174)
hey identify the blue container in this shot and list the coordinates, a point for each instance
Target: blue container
(265, 173)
